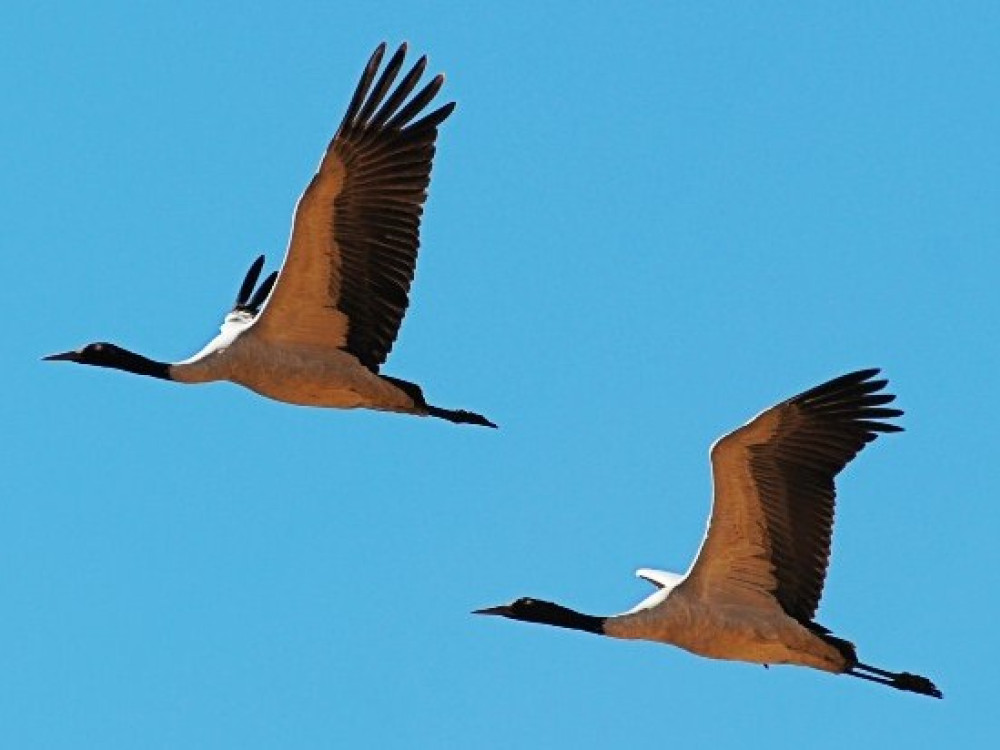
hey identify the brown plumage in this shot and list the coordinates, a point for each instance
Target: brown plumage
(753, 589)
(353, 250)
(333, 314)
(773, 508)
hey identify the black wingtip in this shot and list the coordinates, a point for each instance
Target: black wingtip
(403, 90)
(382, 85)
(364, 84)
(858, 377)
(857, 387)
(249, 281)
(262, 293)
(854, 399)
(866, 373)
(249, 301)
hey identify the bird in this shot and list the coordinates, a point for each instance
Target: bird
(752, 592)
(317, 332)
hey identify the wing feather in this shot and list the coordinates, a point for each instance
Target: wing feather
(249, 282)
(772, 517)
(351, 258)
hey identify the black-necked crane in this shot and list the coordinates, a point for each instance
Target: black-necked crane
(753, 589)
(319, 337)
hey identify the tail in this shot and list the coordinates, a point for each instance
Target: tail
(458, 416)
(913, 683)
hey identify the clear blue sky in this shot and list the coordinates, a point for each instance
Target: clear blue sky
(643, 228)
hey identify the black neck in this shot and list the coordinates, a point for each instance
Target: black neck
(144, 366)
(122, 359)
(548, 613)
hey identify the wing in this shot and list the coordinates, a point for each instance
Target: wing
(772, 515)
(346, 277)
(249, 282)
(248, 301)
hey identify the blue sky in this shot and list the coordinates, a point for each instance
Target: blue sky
(644, 227)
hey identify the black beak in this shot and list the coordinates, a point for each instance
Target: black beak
(64, 357)
(502, 610)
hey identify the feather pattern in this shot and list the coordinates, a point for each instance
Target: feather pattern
(248, 301)
(249, 282)
(773, 510)
(351, 260)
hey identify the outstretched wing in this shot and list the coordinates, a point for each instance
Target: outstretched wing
(772, 515)
(351, 258)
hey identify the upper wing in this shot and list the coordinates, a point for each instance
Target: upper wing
(772, 515)
(346, 277)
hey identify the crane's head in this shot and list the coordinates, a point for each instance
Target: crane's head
(546, 613)
(103, 354)
(99, 353)
(525, 608)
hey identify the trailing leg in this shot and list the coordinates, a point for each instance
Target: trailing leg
(458, 416)
(913, 683)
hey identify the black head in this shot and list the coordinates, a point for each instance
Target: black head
(546, 613)
(524, 608)
(92, 354)
(103, 354)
